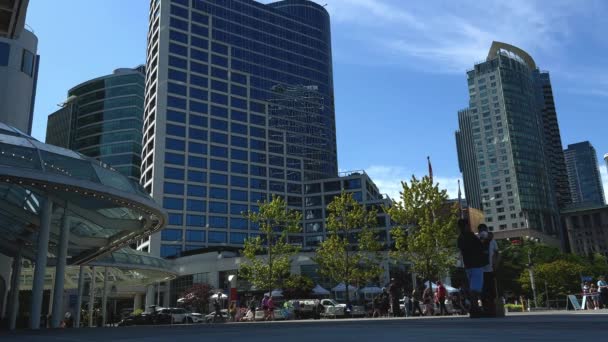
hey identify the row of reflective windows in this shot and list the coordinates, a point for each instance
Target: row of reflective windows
(286, 75)
(254, 157)
(193, 190)
(238, 168)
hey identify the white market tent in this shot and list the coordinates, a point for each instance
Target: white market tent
(320, 291)
(369, 291)
(275, 293)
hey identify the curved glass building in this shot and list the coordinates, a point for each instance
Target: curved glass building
(239, 106)
(102, 119)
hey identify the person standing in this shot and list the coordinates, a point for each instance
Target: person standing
(393, 290)
(416, 298)
(232, 311)
(490, 248)
(602, 286)
(427, 300)
(474, 260)
(264, 306)
(270, 304)
(441, 297)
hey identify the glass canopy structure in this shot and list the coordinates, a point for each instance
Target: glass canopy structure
(58, 207)
(105, 209)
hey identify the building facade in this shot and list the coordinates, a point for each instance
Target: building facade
(584, 174)
(505, 141)
(103, 119)
(18, 66)
(587, 229)
(238, 106)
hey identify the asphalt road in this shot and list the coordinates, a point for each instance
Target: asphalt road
(523, 327)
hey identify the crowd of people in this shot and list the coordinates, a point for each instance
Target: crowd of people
(596, 294)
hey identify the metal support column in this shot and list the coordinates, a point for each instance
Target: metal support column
(137, 302)
(41, 259)
(91, 296)
(60, 270)
(149, 297)
(104, 298)
(13, 304)
(79, 297)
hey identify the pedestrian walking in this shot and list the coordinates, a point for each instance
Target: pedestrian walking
(270, 304)
(217, 308)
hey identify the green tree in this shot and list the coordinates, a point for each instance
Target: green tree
(351, 252)
(197, 297)
(297, 286)
(562, 277)
(425, 231)
(268, 256)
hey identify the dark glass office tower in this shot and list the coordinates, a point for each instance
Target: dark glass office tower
(239, 106)
(510, 132)
(584, 174)
(103, 118)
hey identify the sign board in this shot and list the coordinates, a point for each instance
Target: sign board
(575, 304)
(586, 278)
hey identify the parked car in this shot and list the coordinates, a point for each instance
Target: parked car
(142, 319)
(224, 313)
(333, 308)
(194, 317)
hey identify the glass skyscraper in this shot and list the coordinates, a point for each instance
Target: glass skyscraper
(584, 174)
(103, 118)
(239, 105)
(507, 140)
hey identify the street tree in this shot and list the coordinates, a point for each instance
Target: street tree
(351, 252)
(268, 256)
(197, 297)
(297, 286)
(425, 228)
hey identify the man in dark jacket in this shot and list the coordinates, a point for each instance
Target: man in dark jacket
(394, 293)
(474, 260)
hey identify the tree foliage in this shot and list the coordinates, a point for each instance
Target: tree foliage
(268, 256)
(561, 271)
(197, 297)
(425, 231)
(351, 252)
(297, 286)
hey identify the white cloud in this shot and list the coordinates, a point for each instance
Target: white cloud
(388, 179)
(450, 35)
(604, 174)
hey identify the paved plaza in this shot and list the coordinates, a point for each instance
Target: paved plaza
(561, 326)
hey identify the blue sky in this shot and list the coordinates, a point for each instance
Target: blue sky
(399, 69)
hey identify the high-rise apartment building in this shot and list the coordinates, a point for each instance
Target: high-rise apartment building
(103, 119)
(584, 174)
(238, 106)
(18, 66)
(509, 146)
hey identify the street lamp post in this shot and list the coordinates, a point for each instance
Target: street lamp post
(532, 282)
